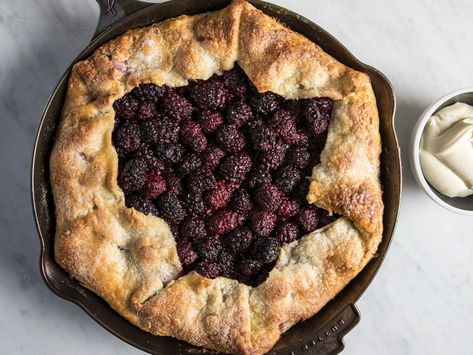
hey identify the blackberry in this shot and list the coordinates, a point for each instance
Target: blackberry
(170, 208)
(265, 250)
(133, 175)
(287, 233)
(298, 156)
(149, 92)
(250, 267)
(147, 111)
(141, 204)
(218, 197)
(169, 153)
(239, 113)
(235, 82)
(263, 138)
(259, 175)
(208, 268)
(236, 167)
(274, 157)
(209, 121)
(226, 262)
(186, 252)
(268, 197)
(191, 135)
(126, 107)
(173, 183)
(209, 95)
(265, 103)
(224, 221)
(189, 163)
(155, 185)
(193, 228)
(194, 204)
(230, 138)
(176, 106)
(159, 131)
(212, 157)
(201, 181)
(238, 240)
(288, 208)
(127, 139)
(317, 114)
(287, 178)
(307, 219)
(209, 248)
(285, 125)
(241, 201)
(263, 223)
(152, 162)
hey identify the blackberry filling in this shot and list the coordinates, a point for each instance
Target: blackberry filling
(225, 167)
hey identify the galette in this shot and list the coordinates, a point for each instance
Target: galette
(216, 178)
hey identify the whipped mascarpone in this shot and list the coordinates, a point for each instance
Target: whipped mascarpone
(446, 150)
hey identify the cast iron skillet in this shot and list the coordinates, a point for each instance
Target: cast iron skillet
(321, 334)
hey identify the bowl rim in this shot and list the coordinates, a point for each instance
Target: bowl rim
(414, 149)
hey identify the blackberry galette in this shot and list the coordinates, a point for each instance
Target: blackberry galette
(215, 178)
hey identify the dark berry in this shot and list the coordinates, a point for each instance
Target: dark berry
(133, 175)
(147, 111)
(218, 197)
(238, 240)
(186, 252)
(159, 131)
(193, 228)
(176, 106)
(284, 123)
(235, 82)
(170, 208)
(263, 222)
(126, 107)
(226, 263)
(265, 250)
(263, 138)
(259, 175)
(208, 268)
(265, 103)
(149, 92)
(212, 157)
(298, 156)
(268, 197)
(127, 139)
(287, 178)
(155, 185)
(209, 95)
(250, 267)
(169, 153)
(307, 219)
(274, 157)
(287, 233)
(209, 248)
(141, 204)
(241, 201)
(201, 181)
(210, 120)
(239, 113)
(288, 208)
(173, 183)
(224, 221)
(230, 138)
(194, 204)
(191, 135)
(317, 114)
(236, 167)
(190, 162)
(152, 162)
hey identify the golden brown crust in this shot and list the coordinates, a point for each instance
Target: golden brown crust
(130, 259)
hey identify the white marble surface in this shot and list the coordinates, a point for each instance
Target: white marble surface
(422, 299)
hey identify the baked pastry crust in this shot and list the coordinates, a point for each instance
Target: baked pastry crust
(130, 259)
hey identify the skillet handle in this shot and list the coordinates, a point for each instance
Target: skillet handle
(112, 11)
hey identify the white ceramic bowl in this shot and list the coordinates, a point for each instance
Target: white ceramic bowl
(463, 205)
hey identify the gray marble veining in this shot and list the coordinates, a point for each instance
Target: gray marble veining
(422, 299)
